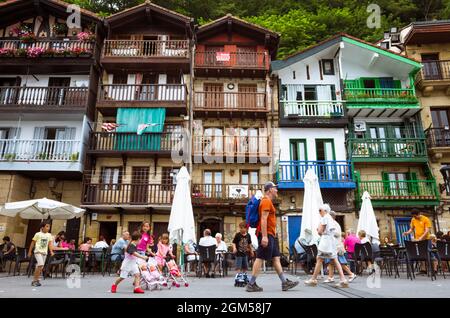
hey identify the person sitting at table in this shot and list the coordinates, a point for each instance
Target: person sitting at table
(69, 245)
(191, 254)
(207, 240)
(101, 243)
(8, 252)
(434, 254)
(221, 249)
(118, 249)
(59, 242)
(387, 242)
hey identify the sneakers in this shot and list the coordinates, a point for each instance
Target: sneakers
(311, 282)
(36, 283)
(342, 284)
(288, 284)
(351, 278)
(253, 288)
(329, 280)
(138, 290)
(113, 289)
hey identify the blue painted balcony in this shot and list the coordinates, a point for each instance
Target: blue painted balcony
(331, 174)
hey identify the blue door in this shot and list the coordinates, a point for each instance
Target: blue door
(294, 223)
(402, 225)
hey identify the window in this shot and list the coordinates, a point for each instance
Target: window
(397, 183)
(445, 171)
(249, 177)
(120, 79)
(325, 149)
(310, 93)
(111, 177)
(173, 79)
(298, 149)
(327, 67)
(169, 178)
(212, 184)
(439, 118)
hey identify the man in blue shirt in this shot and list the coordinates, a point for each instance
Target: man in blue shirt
(118, 249)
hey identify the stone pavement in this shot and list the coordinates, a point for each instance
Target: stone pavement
(96, 286)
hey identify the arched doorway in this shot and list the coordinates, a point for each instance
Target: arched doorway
(214, 224)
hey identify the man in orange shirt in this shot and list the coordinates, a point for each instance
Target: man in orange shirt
(421, 225)
(268, 248)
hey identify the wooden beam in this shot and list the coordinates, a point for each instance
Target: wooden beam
(230, 29)
(148, 14)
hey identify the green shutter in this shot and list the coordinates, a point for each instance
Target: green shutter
(413, 187)
(130, 118)
(397, 84)
(386, 183)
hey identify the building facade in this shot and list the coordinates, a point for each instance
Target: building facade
(48, 80)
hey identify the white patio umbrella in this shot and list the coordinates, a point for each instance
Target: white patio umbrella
(181, 223)
(367, 220)
(40, 209)
(312, 200)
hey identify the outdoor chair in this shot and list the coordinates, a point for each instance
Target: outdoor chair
(78, 258)
(112, 261)
(418, 251)
(362, 254)
(21, 258)
(95, 260)
(55, 263)
(296, 259)
(311, 256)
(207, 256)
(443, 251)
(389, 261)
(188, 263)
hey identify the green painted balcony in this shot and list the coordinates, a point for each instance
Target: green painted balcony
(387, 150)
(400, 193)
(381, 95)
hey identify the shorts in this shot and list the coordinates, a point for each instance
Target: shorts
(40, 259)
(242, 262)
(270, 251)
(129, 267)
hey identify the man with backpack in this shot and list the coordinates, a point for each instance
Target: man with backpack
(268, 248)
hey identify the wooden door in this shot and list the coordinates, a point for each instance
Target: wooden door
(149, 90)
(431, 66)
(213, 95)
(57, 90)
(247, 96)
(139, 185)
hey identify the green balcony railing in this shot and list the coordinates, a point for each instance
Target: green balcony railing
(387, 149)
(381, 95)
(400, 191)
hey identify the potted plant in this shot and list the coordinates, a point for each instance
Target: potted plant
(34, 52)
(4, 52)
(74, 156)
(10, 156)
(86, 36)
(59, 53)
(48, 53)
(28, 37)
(20, 53)
(60, 29)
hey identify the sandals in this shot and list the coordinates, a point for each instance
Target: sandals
(311, 282)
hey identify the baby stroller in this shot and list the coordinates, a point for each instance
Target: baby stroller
(151, 277)
(174, 274)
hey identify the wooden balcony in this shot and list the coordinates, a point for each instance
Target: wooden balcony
(40, 155)
(130, 143)
(46, 56)
(438, 143)
(400, 193)
(138, 54)
(219, 148)
(173, 97)
(331, 174)
(223, 194)
(127, 194)
(56, 98)
(231, 63)
(226, 104)
(312, 113)
(433, 76)
(388, 150)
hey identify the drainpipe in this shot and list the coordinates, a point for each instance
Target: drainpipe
(191, 102)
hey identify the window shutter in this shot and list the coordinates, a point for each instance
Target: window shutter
(413, 187)
(386, 183)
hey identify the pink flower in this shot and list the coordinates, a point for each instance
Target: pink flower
(34, 52)
(85, 36)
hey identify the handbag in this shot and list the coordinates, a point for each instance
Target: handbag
(326, 245)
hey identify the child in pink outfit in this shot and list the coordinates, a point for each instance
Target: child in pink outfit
(164, 249)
